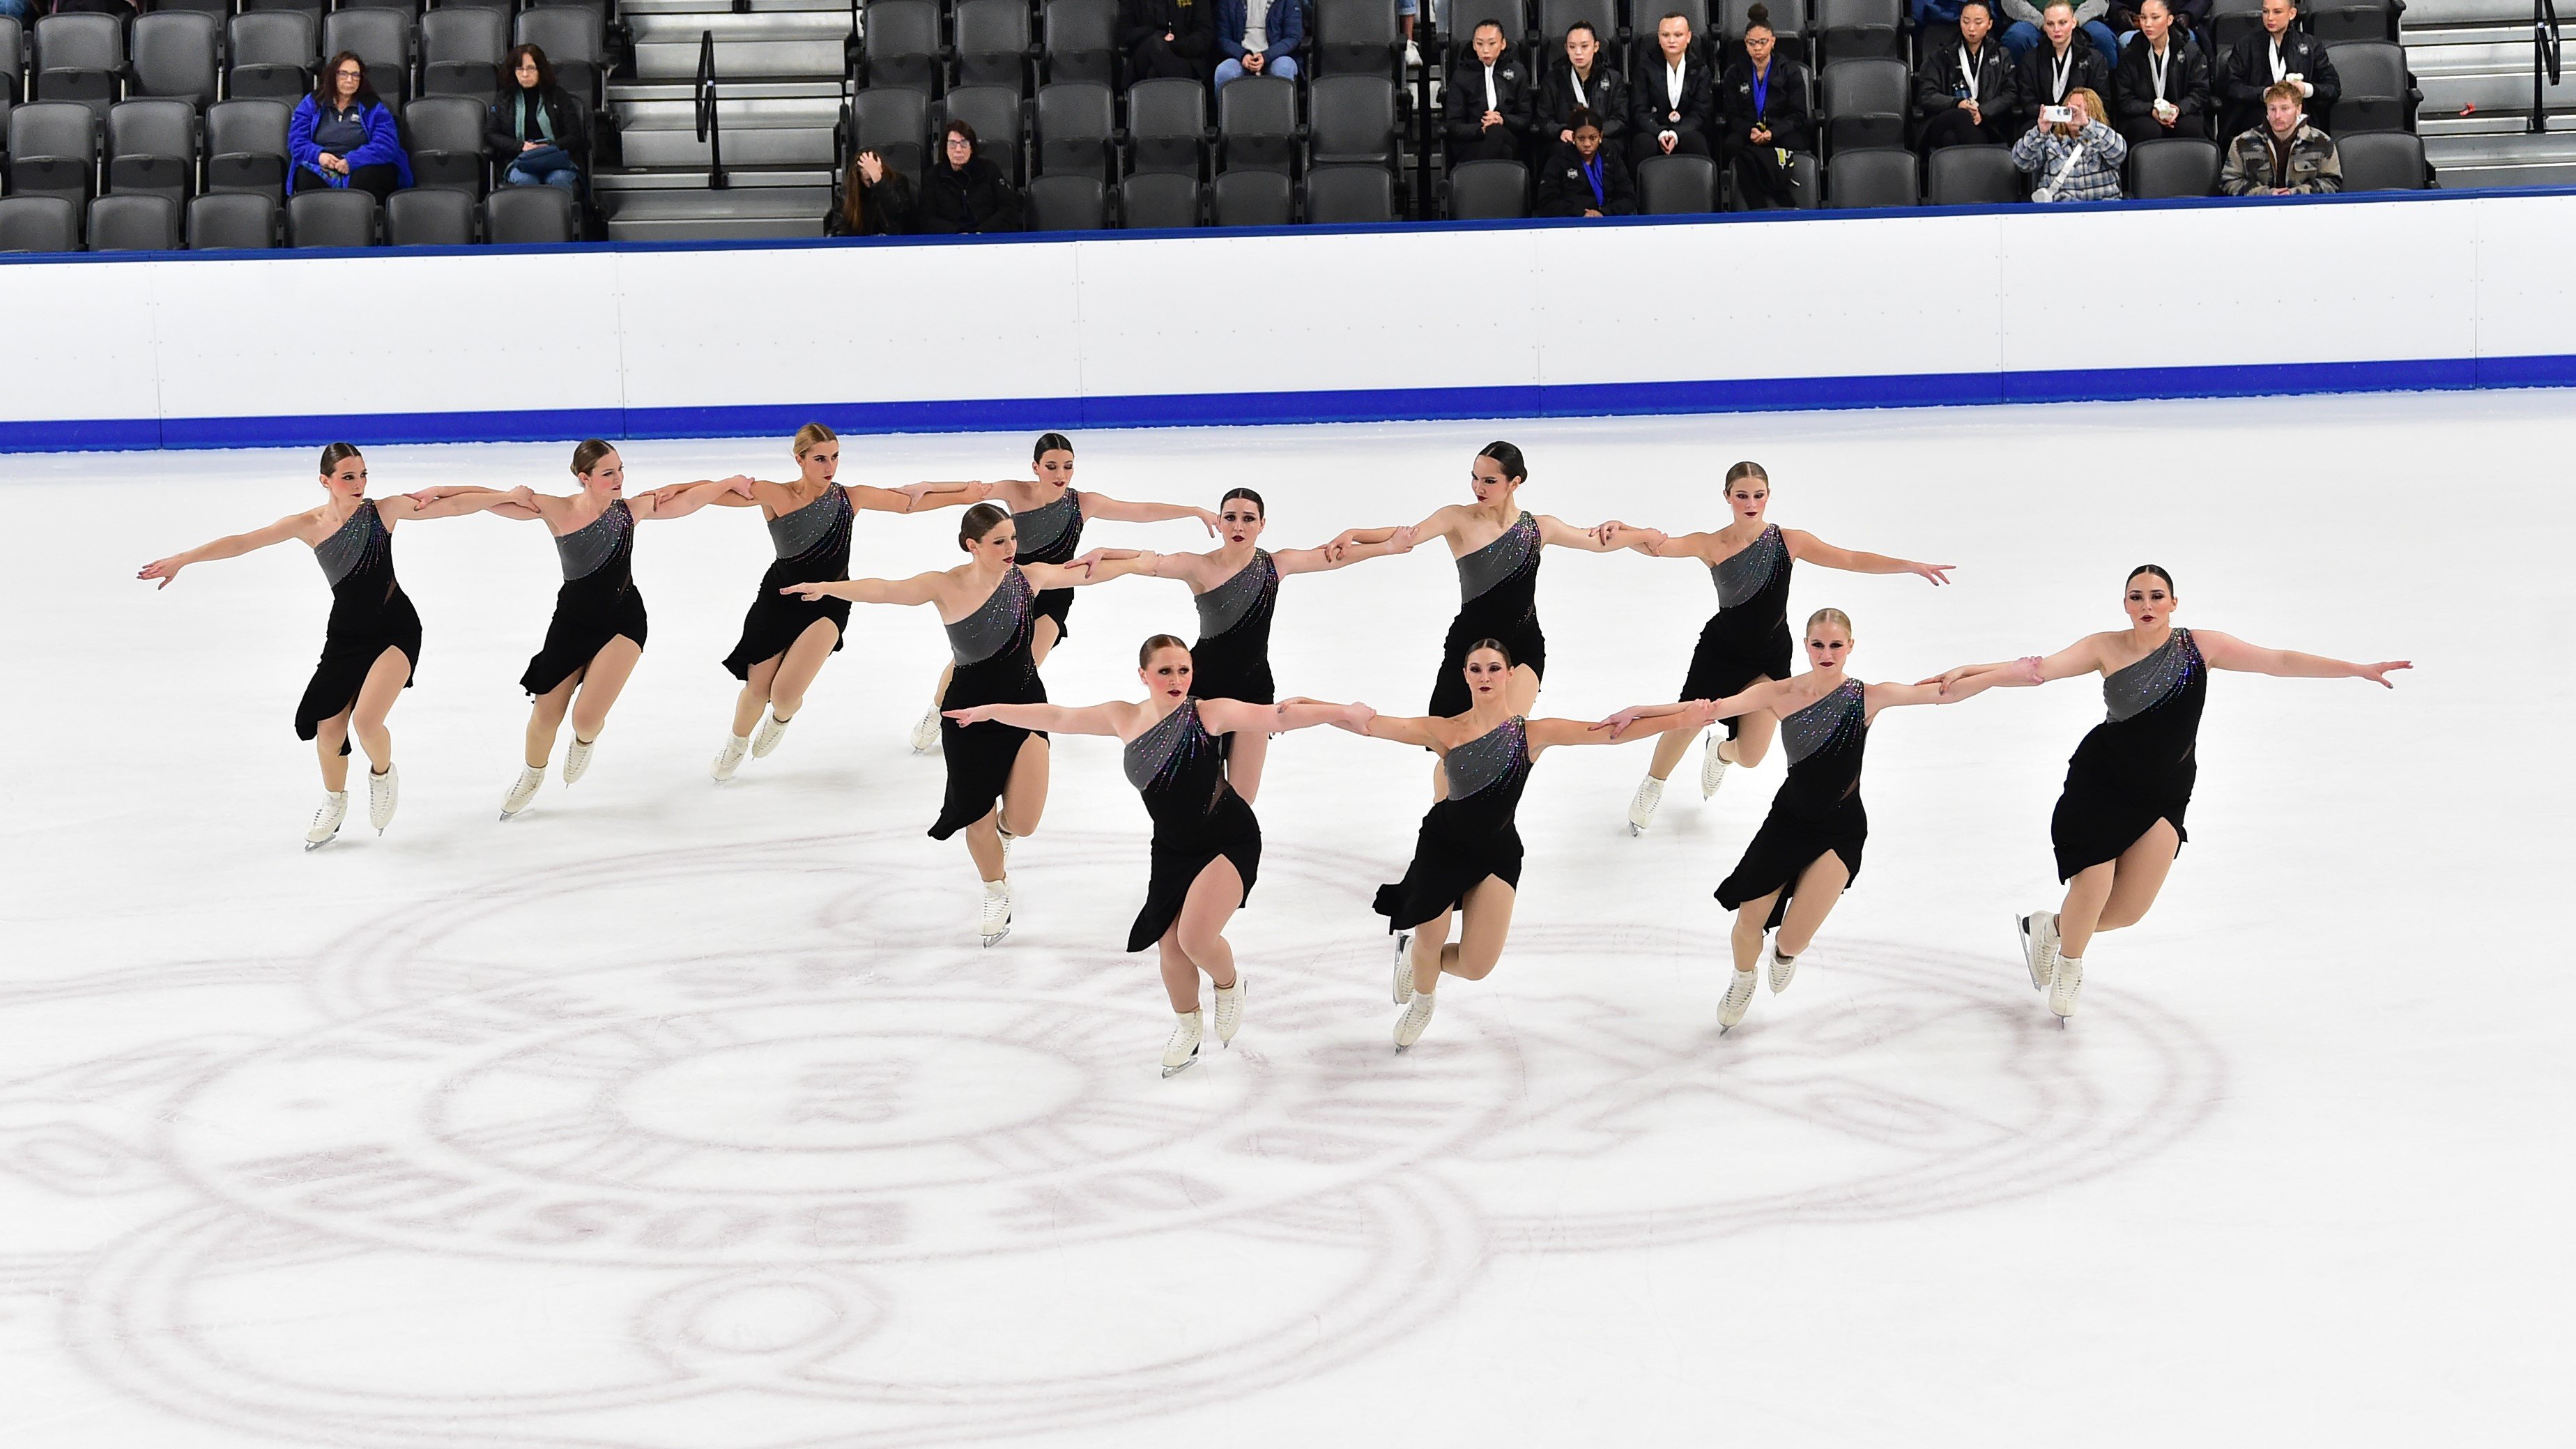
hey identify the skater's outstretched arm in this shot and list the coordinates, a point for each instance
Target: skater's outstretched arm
(1441, 524)
(1298, 714)
(1692, 714)
(1877, 697)
(682, 499)
(2085, 656)
(2226, 651)
(1599, 538)
(1096, 567)
(1095, 719)
(1546, 734)
(910, 498)
(1807, 548)
(449, 503)
(1096, 505)
(1333, 554)
(231, 545)
(1414, 730)
(919, 589)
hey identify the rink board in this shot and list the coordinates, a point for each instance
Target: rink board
(1652, 315)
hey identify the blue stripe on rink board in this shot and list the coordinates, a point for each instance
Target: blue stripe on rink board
(1569, 400)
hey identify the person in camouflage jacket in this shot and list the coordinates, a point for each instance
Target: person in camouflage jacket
(2285, 156)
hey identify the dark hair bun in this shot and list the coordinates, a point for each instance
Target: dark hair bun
(1758, 15)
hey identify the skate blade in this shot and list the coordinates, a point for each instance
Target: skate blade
(1171, 1072)
(314, 845)
(1635, 830)
(997, 938)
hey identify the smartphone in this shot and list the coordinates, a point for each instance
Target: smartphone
(2056, 115)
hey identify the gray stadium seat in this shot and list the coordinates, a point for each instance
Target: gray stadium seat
(445, 139)
(174, 55)
(2383, 161)
(1167, 126)
(1077, 129)
(246, 146)
(2229, 22)
(529, 216)
(900, 39)
(232, 221)
(2172, 166)
(38, 224)
(1871, 176)
(1676, 185)
(1859, 30)
(1642, 54)
(1864, 103)
(273, 55)
(1971, 176)
(1809, 180)
(2378, 93)
(2338, 21)
(1158, 199)
(1256, 124)
(1555, 17)
(993, 44)
(79, 57)
(1349, 195)
(338, 217)
(1068, 201)
(1356, 121)
(1465, 15)
(1788, 21)
(311, 9)
(570, 36)
(134, 224)
(1356, 37)
(53, 150)
(427, 217)
(461, 52)
(894, 122)
(1488, 191)
(1080, 39)
(381, 38)
(1255, 198)
(994, 112)
(13, 59)
(152, 148)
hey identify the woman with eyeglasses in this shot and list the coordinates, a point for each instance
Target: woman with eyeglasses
(342, 135)
(963, 192)
(536, 129)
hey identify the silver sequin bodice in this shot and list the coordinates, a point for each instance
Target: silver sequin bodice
(2140, 687)
(1842, 709)
(1742, 574)
(1486, 758)
(1043, 526)
(793, 533)
(585, 548)
(347, 548)
(1223, 607)
(979, 635)
(1151, 753)
(1499, 560)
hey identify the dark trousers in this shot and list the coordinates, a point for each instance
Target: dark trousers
(1687, 141)
(382, 181)
(2187, 129)
(1760, 182)
(1156, 60)
(1496, 143)
(1953, 128)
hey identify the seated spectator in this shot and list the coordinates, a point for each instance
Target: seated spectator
(2077, 159)
(2190, 21)
(1167, 39)
(1581, 82)
(1672, 106)
(535, 128)
(1584, 176)
(1266, 44)
(341, 135)
(1768, 116)
(2162, 80)
(2285, 156)
(964, 192)
(2067, 63)
(1487, 103)
(2274, 55)
(1965, 91)
(1936, 23)
(2030, 26)
(876, 199)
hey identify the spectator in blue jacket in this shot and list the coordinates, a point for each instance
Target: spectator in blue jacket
(341, 135)
(1268, 47)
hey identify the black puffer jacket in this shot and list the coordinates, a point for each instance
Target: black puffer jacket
(1563, 191)
(2186, 85)
(2035, 77)
(1463, 103)
(2249, 74)
(1605, 95)
(1786, 104)
(979, 198)
(1940, 84)
(572, 129)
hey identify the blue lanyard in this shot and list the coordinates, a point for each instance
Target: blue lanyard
(1592, 172)
(1761, 91)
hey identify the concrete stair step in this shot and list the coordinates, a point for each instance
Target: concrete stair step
(754, 146)
(2501, 150)
(735, 112)
(2432, 13)
(694, 178)
(736, 213)
(632, 9)
(2446, 95)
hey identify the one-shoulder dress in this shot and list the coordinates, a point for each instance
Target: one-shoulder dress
(813, 545)
(598, 600)
(1051, 533)
(1232, 658)
(1818, 807)
(1180, 771)
(2137, 766)
(1497, 599)
(370, 614)
(1469, 836)
(1748, 637)
(991, 648)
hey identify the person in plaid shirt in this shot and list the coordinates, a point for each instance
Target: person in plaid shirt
(2077, 159)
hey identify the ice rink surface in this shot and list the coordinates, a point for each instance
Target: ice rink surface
(673, 1115)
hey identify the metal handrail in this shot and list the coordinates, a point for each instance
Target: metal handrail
(710, 128)
(2544, 61)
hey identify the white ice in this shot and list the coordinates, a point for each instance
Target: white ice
(672, 1115)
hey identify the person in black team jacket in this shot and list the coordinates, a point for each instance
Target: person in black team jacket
(1767, 110)
(1168, 39)
(2065, 64)
(1967, 93)
(1581, 81)
(1672, 100)
(963, 192)
(1585, 177)
(1489, 102)
(2272, 55)
(2162, 81)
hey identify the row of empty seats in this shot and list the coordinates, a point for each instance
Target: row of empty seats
(519, 215)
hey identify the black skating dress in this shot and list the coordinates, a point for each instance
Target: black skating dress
(2137, 766)
(1818, 808)
(370, 614)
(1497, 599)
(598, 600)
(1748, 637)
(1180, 771)
(1232, 658)
(1470, 835)
(991, 647)
(1051, 533)
(813, 545)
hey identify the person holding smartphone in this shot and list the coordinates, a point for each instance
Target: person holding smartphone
(535, 129)
(2072, 155)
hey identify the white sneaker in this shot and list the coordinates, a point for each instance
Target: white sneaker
(2062, 986)
(577, 759)
(772, 730)
(530, 777)
(1417, 1015)
(1739, 999)
(384, 792)
(1782, 968)
(1712, 765)
(729, 759)
(1403, 968)
(1641, 807)
(326, 821)
(1412, 55)
(995, 921)
(1183, 1048)
(925, 735)
(1229, 1010)
(2039, 947)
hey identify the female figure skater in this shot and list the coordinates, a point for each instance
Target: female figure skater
(1207, 845)
(997, 772)
(1747, 639)
(1807, 852)
(2118, 824)
(372, 644)
(1467, 857)
(597, 632)
(785, 639)
(1235, 587)
(1049, 513)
